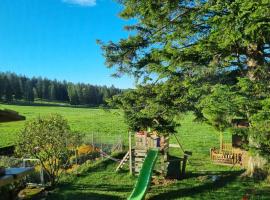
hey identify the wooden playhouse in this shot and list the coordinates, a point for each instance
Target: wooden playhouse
(146, 140)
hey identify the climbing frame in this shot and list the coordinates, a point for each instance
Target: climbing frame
(147, 140)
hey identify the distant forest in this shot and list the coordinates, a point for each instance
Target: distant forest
(15, 87)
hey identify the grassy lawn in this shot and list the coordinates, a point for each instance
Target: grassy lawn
(99, 181)
(84, 120)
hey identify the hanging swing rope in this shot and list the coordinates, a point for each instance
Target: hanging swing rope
(179, 143)
(181, 147)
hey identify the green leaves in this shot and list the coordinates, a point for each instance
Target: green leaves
(260, 129)
(219, 107)
(50, 140)
(210, 57)
(152, 105)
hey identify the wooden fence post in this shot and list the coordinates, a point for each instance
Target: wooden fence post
(93, 140)
(221, 141)
(130, 153)
(184, 165)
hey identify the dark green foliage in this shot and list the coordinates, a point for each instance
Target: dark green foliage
(143, 110)
(29, 94)
(154, 105)
(14, 87)
(220, 49)
(219, 107)
(260, 129)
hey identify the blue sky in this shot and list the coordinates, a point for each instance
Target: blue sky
(57, 39)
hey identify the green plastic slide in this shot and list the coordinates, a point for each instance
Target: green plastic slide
(145, 176)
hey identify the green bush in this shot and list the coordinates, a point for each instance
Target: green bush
(50, 140)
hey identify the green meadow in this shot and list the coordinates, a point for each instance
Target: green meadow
(83, 120)
(98, 180)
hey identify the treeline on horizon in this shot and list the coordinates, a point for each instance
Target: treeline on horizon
(15, 87)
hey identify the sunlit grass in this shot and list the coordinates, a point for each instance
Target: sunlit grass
(84, 120)
(100, 181)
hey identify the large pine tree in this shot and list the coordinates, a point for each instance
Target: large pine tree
(213, 55)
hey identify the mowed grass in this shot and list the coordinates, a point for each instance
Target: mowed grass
(204, 180)
(83, 120)
(98, 180)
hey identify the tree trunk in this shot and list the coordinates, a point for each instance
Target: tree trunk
(255, 59)
(256, 163)
(256, 166)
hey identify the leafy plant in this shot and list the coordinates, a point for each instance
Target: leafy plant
(50, 140)
(260, 129)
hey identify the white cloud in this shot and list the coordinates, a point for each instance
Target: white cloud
(81, 2)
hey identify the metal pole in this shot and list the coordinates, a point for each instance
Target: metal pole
(42, 176)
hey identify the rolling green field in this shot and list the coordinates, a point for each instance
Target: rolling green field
(98, 180)
(84, 120)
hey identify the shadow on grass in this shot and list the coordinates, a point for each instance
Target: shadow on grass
(73, 190)
(82, 196)
(211, 173)
(102, 165)
(97, 187)
(226, 178)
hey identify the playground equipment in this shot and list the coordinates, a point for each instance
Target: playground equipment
(150, 154)
(144, 141)
(104, 154)
(145, 176)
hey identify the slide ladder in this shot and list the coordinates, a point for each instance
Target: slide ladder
(145, 176)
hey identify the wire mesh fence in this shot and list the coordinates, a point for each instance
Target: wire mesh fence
(93, 146)
(105, 143)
